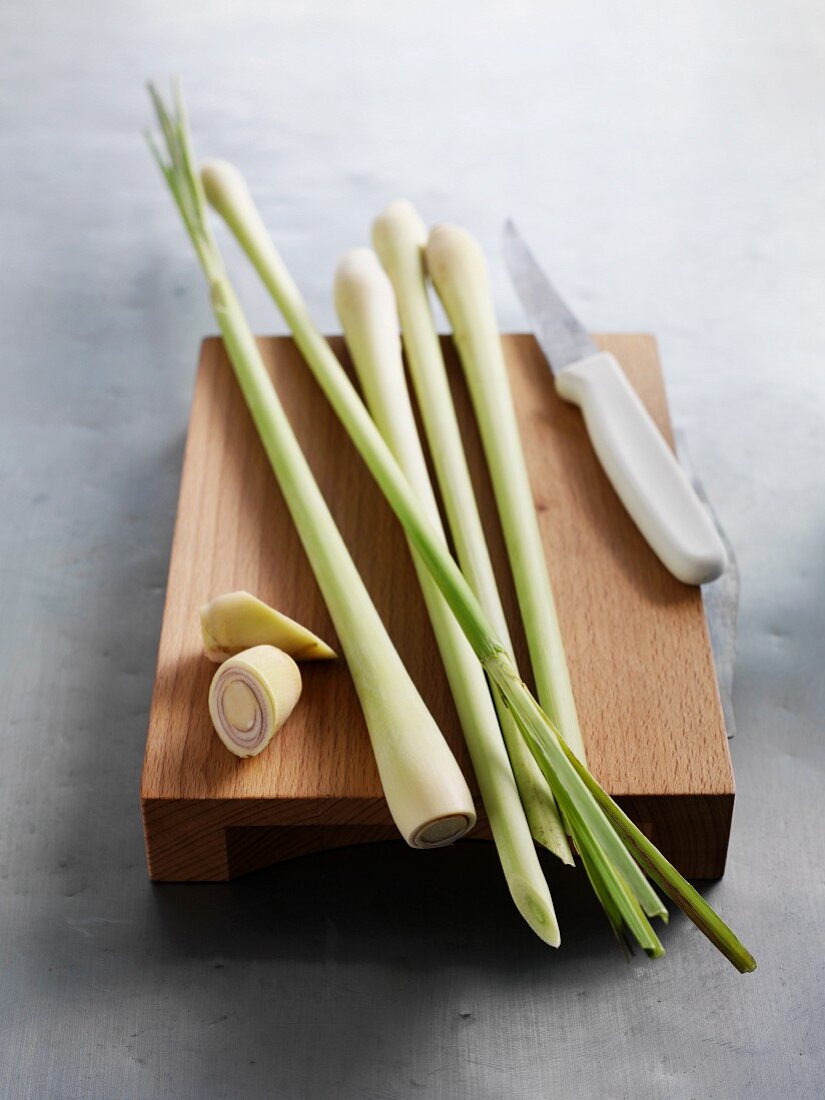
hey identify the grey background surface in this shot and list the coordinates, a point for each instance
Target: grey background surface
(667, 162)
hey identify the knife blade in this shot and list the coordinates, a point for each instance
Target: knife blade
(560, 335)
(640, 465)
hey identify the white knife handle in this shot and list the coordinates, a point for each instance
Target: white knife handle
(643, 470)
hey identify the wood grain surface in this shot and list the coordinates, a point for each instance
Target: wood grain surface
(636, 638)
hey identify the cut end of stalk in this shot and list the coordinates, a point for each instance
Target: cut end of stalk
(537, 909)
(442, 831)
(547, 830)
(251, 696)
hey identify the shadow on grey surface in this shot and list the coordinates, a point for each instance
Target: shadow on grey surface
(384, 900)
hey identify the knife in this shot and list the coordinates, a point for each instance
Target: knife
(640, 465)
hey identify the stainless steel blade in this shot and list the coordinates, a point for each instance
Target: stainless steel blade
(559, 334)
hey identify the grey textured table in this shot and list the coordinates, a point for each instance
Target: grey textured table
(667, 161)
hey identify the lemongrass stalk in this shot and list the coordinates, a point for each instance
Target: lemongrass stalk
(251, 696)
(426, 792)
(458, 270)
(236, 621)
(366, 308)
(617, 873)
(399, 237)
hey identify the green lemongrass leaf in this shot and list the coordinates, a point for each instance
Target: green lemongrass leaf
(168, 171)
(622, 899)
(665, 875)
(183, 180)
(155, 150)
(164, 118)
(168, 129)
(605, 898)
(576, 802)
(174, 187)
(623, 906)
(193, 176)
(543, 814)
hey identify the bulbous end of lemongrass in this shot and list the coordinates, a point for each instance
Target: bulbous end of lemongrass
(237, 621)
(251, 696)
(365, 304)
(456, 265)
(397, 229)
(224, 186)
(359, 280)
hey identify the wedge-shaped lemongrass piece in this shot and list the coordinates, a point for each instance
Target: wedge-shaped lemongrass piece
(425, 789)
(366, 307)
(251, 696)
(631, 898)
(238, 620)
(400, 236)
(459, 272)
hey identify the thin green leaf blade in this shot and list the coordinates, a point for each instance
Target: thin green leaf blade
(675, 885)
(546, 745)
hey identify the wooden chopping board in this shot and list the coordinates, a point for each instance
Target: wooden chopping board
(636, 638)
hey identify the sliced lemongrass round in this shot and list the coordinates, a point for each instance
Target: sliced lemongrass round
(442, 831)
(251, 696)
(237, 621)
